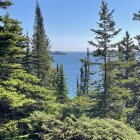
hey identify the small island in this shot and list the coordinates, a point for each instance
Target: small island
(58, 53)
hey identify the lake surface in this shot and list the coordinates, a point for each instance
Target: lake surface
(72, 64)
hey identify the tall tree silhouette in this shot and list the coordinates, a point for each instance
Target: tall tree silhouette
(40, 52)
(104, 36)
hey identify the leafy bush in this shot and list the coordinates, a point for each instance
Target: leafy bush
(41, 126)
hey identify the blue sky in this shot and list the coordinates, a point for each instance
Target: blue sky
(68, 22)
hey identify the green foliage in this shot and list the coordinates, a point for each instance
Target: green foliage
(15, 99)
(82, 106)
(77, 106)
(104, 36)
(5, 3)
(42, 126)
(60, 85)
(41, 59)
(84, 86)
(37, 106)
(11, 40)
(20, 92)
(27, 59)
(127, 77)
(136, 16)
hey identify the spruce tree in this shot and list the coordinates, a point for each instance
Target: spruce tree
(5, 3)
(40, 50)
(11, 46)
(129, 73)
(134, 115)
(127, 51)
(136, 16)
(61, 88)
(11, 54)
(20, 93)
(104, 36)
(82, 89)
(27, 55)
(117, 94)
(85, 75)
(77, 87)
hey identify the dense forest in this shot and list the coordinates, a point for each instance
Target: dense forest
(34, 100)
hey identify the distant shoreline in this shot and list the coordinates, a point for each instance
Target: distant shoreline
(58, 53)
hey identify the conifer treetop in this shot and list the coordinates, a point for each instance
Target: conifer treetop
(5, 3)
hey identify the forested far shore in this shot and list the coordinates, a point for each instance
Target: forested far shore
(34, 100)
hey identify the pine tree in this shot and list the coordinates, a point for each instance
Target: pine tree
(20, 93)
(11, 51)
(129, 73)
(27, 56)
(77, 87)
(134, 115)
(118, 94)
(104, 36)
(61, 88)
(5, 3)
(40, 52)
(130, 66)
(82, 89)
(11, 46)
(85, 74)
(136, 16)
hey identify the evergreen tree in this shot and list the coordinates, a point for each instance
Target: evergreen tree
(127, 51)
(11, 46)
(136, 16)
(11, 54)
(104, 36)
(40, 52)
(20, 93)
(77, 87)
(85, 75)
(81, 81)
(5, 3)
(27, 56)
(61, 88)
(118, 94)
(129, 73)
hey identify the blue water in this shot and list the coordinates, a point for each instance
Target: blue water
(71, 63)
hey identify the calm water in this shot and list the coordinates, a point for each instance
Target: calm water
(71, 63)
